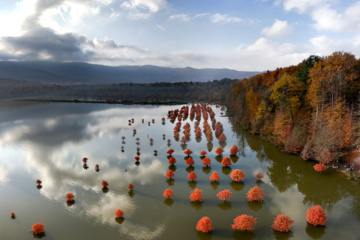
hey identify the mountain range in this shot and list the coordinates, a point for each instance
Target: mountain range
(85, 73)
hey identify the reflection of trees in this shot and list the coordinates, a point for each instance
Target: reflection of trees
(282, 235)
(169, 202)
(196, 205)
(315, 232)
(238, 234)
(237, 186)
(224, 205)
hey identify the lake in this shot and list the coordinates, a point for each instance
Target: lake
(48, 142)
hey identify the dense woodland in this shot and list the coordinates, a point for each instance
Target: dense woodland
(311, 109)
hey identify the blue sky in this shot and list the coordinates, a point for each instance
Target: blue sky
(237, 34)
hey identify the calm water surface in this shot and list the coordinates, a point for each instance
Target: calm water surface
(48, 142)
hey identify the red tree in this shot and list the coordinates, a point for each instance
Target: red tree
(204, 225)
(219, 151)
(70, 197)
(172, 161)
(137, 158)
(183, 140)
(319, 167)
(234, 150)
(12, 214)
(237, 175)
(203, 153)
(131, 187)
(192, 176)
(104, 184)
(282, 223)
(84, 160)
(196, 195)
(259, 175)
(170, 174)
(222, 138)
(226, 162)
(38, 228)
(316, 216)
(244, 222)
(255, 194)
(214, 176)
(188, 152)
(190, 161)
(224, 195)
(206, 161)
(119, 213)
(168, 193)
(38, 181)
(170, 151)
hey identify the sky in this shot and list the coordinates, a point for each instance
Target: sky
(246, 35)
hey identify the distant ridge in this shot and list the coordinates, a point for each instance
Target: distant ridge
(85, 73)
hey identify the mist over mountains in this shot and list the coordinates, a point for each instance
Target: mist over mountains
(84, 73)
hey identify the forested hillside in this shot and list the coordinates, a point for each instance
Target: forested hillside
(311, 109)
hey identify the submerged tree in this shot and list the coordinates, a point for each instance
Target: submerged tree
(203, 153)
(234, 150)
(259, 175)
(170, 174)
(170, 151)
(168, 193)
(70, 197)
(282, 223)
(244, 222)
(192, 176)
(224, 195)
(219, 151)
(188, 152)
(196, 195)
(38, 228)
(105, 184)
(119, 213)
(237, 175)
(214, 177)
(255, 194)
(204, 225)
(226, 162)
(131, 187)
(172, 161)
(222, 138)
(206, 161)
(316, 216)
(190, 161)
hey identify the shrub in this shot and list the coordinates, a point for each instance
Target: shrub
(244, 222)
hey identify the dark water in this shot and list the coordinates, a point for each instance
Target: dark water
(48, 142)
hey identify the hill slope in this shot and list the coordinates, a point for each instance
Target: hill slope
(84, 73)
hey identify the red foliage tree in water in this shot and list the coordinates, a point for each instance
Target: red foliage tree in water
(206, 161)
(219, 151)
(226, 162)
(319, 167)
(188, 152)
(170, 151)
(12, 214)
(255, 194)
(104, 184)
(119, 213)
(38, 228)
(224, 195)
(137, 158)
(214, 177)
(222, 138)
(203, 153)
(237, 175)
(316, 216)
(190, 161)
(282, 223)
(168, 193)
(70, 197)
(183, 140)
(170, 174)
(234, 150)
(172, 161)
(192, 176)
(196, 195)
(84, 160)
(204, 225)
(259, 175)
(131, 187)
(244, 222)
(38, 182)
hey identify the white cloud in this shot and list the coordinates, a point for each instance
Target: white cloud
(180, 17)
(278, 29)
(161, 28)
(324, 45)
(148, 5)
(303, 6)
(224, 18)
